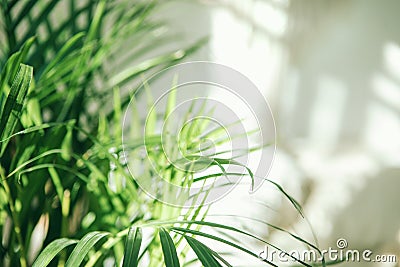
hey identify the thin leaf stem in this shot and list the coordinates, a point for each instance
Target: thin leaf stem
(14, 216)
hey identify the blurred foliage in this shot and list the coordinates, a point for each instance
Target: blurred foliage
(65, 69)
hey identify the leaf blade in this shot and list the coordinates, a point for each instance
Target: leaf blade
(47, 255)
(132, 247)
(14, 102)
(169, 250)
(83, 247)
(203, 253)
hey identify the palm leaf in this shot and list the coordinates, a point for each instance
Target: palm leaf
(51, 251)
(168, 247)
(83, 247)
(13, 105)
(203, 253)
(132, 247)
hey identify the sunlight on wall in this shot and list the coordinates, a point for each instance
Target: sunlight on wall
(271, 18)
(336, 101)
(387, 90)
(391, 52)
(382, 132)
(238, 39)
(326, 119)
(236, 43)
(383, 126)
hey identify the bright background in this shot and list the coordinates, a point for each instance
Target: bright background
(330, 71)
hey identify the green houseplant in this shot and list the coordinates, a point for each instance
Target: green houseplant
(57, 154)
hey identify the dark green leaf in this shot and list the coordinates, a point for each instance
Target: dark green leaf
(169, 251)
(132, 247)
(13, 106)
(203, 253)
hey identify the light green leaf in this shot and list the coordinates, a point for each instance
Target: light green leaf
(33, 106)
(11, 67)
(171, 102)
(47, 255)
(151, 120)
(66, 145)
(83, 247)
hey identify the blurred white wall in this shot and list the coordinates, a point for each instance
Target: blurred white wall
(333, 81)
(331, 73)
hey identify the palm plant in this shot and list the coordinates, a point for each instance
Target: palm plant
(66, 196)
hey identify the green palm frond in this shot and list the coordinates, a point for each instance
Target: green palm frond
(66, 69)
